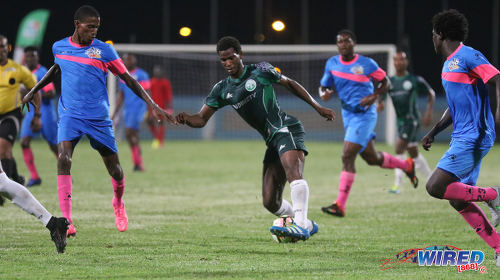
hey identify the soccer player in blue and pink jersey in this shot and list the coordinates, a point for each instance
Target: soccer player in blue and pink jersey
(134, 110)
(83, 63)
(465, 76)
(350, 75)
(48, 118)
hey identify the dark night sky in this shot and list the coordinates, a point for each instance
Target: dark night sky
(375, 22)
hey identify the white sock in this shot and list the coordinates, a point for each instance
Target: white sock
(422, 166)
(285, 209)
(398, 173)
(300, 197)
(21, 197)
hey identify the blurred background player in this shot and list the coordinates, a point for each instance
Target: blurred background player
(48, 118)
(12, 75)
(465, 76)
(350, 76)
(404, 91)
(134, 109)
(249, 90)
(83, 62)
(161, 92)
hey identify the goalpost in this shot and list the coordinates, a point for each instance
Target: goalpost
(194, 69)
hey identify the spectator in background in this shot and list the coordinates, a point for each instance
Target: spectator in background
(161, 92)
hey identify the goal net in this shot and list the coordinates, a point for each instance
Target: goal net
(194, 69)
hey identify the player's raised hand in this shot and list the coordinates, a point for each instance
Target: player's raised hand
(427, 141)
(326, 113)
(160, 114)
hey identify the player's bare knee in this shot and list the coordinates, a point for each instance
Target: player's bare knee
(25, 143)
(64, 161)
(433, 189)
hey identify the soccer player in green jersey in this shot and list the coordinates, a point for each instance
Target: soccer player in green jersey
(404, 91)
(249, 90)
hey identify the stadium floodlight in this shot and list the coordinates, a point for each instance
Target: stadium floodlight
(194, 69)
(185, 31)
(278, 25)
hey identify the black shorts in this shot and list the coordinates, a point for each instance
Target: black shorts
(288, 138)
(10, 123)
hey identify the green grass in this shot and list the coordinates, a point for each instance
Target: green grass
(197, 213)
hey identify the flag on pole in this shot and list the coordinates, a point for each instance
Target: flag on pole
(31, 31)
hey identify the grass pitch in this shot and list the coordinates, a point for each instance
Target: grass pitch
(197, 213)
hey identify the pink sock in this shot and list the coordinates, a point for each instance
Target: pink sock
(392, 162)
(64, 187)
(463, 192)
(478, 221)
(136, 155)
(118, 189)
(345, 184)
(29, 159)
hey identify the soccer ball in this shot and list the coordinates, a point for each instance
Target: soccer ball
(283, 221)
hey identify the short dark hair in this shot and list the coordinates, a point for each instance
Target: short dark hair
(85, 12)
(228, 42)
(349, 33)
(30, 49)
(451, 25)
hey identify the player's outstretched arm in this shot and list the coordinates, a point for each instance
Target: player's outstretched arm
(495, 81)
(298, 90)
(139, 91)
(47, 78)
(382, 88)
(196, 120)
(443, 123)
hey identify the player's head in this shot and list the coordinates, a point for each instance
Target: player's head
(31, 57)
(130, 61)
(230, 54)
(4, 49)
(87, 21)
(157, 71)
(400, 61)
(346, 40)
(448, 25)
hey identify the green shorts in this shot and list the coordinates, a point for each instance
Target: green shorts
(286, 139)
(408, 130)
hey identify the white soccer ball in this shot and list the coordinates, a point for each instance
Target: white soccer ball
(283, 221)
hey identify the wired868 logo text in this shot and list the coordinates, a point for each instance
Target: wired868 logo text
(447, 255)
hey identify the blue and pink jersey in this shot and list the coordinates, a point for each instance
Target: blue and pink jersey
(83, 77)
(464, 76)
(39, 72)
(133, 102)
(352, 80)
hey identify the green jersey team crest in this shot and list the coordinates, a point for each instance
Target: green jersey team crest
(250, 85)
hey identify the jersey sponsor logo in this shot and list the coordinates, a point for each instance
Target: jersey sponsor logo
(357, 69)
(229, 95)
(453, 64)
(250, 85)
(93, 53)
(407, 85)
(244, 101)
(281, 147)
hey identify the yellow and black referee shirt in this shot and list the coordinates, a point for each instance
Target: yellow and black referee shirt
(12, 75)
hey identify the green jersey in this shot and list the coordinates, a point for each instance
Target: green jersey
(252, 96)
(404, 94)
